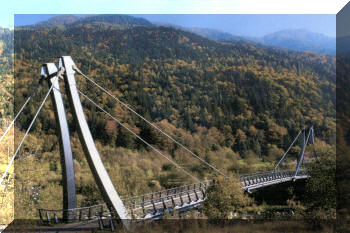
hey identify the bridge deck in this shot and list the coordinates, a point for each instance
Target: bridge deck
(260, 180)
(153, 205)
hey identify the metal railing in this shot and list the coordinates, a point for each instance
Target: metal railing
(72, 215)
(268, 177)
(177, 200)
(167, 192)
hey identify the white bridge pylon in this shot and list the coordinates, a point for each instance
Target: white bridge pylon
(109, 193)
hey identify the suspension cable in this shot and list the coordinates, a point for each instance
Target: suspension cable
(121, 124)
(20, 111)
(287, 150)
(25, 135)
(154, 126)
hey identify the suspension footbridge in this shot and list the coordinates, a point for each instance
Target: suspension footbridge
(139, 208)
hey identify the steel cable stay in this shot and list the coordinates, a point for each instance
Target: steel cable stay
(125, 127)
(25, 135)
(21, 110)
(291, 145)
(147, 121)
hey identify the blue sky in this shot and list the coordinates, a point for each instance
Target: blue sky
(234, 24)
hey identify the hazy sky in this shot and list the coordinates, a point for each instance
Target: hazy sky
(242, 25)
(251, 24)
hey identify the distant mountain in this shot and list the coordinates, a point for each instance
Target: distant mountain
(294, 39)
(300, 40)
(206, 32)
(58, 20)
(216, 34)
(120, 21)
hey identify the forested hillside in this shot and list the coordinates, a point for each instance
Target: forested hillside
(6, 114)
(6, 72)
(237, 105)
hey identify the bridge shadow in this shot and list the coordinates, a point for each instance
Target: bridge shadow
(279, 194)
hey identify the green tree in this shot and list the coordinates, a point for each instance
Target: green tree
(321, 186)
(224, 197)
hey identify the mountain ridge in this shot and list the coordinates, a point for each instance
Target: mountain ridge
(55, 21)
(294, 39)
(301, 40)
(123, 21)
